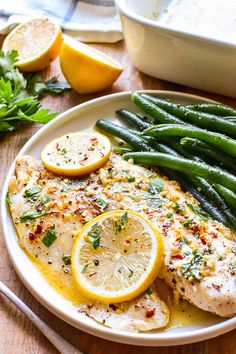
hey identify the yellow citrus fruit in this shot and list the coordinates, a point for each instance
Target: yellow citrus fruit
(37, 42)
(86, 69)
(117, 256)
(76, 154)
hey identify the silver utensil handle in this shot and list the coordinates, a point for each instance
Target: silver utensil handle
(59, 342)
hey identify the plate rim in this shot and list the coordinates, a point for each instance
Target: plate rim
(144, 339)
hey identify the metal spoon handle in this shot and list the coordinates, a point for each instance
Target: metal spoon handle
(59, 342)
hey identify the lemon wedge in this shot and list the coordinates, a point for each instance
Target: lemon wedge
(116, 256)
(37, 42)
(76, 154)
(86, 69)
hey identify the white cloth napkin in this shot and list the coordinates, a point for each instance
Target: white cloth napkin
(85, 20)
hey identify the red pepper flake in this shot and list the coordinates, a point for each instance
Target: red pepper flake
(96, 212)
(177, 256)
(79, 211)
(203, 241)
(216, 286)
(150, 312)
(214, 235)
(31, 236)
(195, 228)
(38, 230)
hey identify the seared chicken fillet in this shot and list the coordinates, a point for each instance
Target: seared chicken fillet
(200, 261)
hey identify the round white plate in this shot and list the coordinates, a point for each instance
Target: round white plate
(81, 118)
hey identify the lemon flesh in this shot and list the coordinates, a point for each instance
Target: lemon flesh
(86, 69)
(116, 256)
(37, 42)
(76, 154)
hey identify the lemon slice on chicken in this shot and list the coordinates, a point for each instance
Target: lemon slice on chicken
(76, 154)
(116, 256)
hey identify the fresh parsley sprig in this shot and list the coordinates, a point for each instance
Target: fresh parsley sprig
(19, 94)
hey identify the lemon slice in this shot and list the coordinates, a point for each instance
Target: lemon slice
(37, 42)
(86, 69)
(76, 154)
(116, 256)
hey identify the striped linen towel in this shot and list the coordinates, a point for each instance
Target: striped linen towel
(85, 20)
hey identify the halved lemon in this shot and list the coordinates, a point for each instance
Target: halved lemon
(37, 42)
(86, 69)
(117, 256)
(76, 154)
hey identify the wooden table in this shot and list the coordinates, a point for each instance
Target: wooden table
(17, 334)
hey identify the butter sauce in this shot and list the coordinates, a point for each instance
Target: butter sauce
(212, 18)
(182, 314)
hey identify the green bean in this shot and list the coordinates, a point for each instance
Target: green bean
(202, 148)
(203, 120)
(222, 141)
(206, 205)
(159, 115)
(212, 174)
(228, 195)
(133, 119)
(123, 133)
(214, 108)
(200, 183)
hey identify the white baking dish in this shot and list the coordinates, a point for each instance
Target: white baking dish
(174, 55)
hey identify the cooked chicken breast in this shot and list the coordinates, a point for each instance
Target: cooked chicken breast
(48, 212)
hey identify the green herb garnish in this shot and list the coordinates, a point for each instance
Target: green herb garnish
(121, 224)
(94, 236)
(16, 103)
(233, 250)
(156, 186)
(178, 207)
(149, 291)
(199, 212)
(191, 270)
(45, 199)
(66, 259)
(169, 216)
(33, 193)
(84, 268)
(131, 179)
(37, 87)
(49, 237)
(102, 202)
(187, 222)
(31, 215)
(8, 200)
(131, 272)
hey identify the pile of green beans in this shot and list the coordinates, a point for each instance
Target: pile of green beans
(174, 137)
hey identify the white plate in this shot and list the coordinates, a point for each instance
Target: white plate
(80, 118)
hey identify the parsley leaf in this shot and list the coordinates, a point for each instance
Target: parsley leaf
(32, 193)
(198, 211)
(8, 200)
(94, 236)
(66, 259)
(31, 215)
(120, 224)
(37, 87)
(49, 237)
(156, 186)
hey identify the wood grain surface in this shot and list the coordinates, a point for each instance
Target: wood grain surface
(17, 334)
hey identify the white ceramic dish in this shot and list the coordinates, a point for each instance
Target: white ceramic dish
(174, 55)
(81, 118)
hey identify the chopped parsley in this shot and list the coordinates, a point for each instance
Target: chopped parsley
(31, 215)
(131, 179)
(84, 268)
(191, 270)
(187, 222)
(66, 259)
(94, 236)
(233, 250)
(45, 200)
(169, 216)
(156, 186)
(117, 187)
(49, 237)
(199, 212)
(121, 224)
(8, 200)
(102, 202)
(178, 207)
(32, 194)
(131, 272)
(149, 291)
